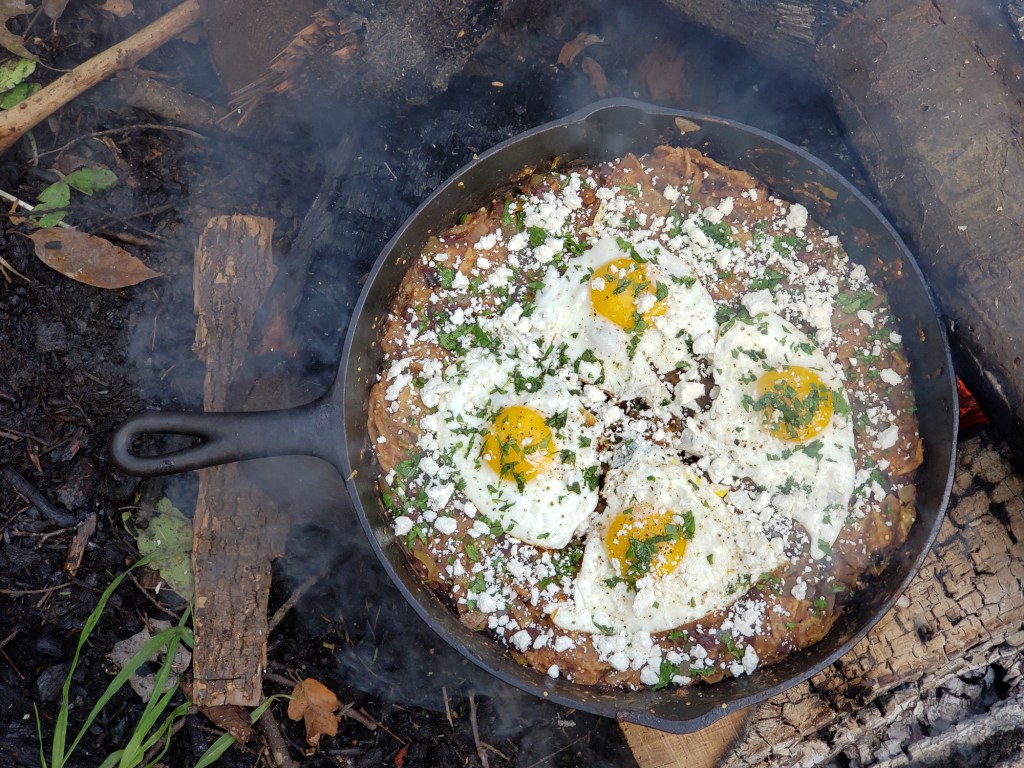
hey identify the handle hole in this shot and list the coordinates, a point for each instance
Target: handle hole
(156, 444)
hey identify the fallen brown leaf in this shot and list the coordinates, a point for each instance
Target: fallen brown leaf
(8, 10)
(662, 70)
(576, 46)
(119, 8)
(232, 718)
(596, 74)
(315, 704)
(88, 259)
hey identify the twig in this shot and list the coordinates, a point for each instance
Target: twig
(480, 751)
(41, 590)
(496, 751)
(359, 716)
(27, 207)
(32, 495)
(21, 118)
(288, 604)
(556, 752)
(447, 707)
(275, 741)
(123, 129)
(163, 608)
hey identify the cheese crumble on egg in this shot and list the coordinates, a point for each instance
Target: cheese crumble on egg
(644, 423)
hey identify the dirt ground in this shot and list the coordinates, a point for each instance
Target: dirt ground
(77, 360)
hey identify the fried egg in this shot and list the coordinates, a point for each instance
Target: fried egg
(523, 448)
(665, 551)
(781, 418)
(626, 313)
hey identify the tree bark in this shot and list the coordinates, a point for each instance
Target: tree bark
(930, 93)
(234, 527)
(786, 31)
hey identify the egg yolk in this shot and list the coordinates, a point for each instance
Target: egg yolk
(644, 542)
(623, 282)
(795, 403)
(518, 444)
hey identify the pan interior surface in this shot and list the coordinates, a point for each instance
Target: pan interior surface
(605, 131)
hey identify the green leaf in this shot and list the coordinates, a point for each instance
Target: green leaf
(57, 195)
(47, 220)
(168, 541)
(14, 71)
(90, 180)
(18, 94)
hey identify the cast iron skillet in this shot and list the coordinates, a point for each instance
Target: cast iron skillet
(334, 426)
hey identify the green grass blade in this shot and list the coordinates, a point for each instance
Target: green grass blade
(158, 701)
(166, 728)
(141, 656)
(58, 757)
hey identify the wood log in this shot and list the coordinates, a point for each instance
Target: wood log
(19, 119)
(356, 52)
(234, 527)
(930, 93)
(963, 612)
(786, 31)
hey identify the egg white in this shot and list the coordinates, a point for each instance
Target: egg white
(726, 551)
(565, 315)
(552, 504)
(810, 482)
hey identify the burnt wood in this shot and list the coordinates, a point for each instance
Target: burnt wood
(930, 93)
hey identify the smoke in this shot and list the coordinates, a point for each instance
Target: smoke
(357, 171)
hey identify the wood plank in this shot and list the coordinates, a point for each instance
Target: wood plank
(704, 749)
(232, 545)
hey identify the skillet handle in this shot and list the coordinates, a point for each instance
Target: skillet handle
(312, 429)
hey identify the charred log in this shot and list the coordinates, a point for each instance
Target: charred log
(930, 94)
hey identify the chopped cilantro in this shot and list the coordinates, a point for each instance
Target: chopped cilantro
(603, 629)
(851, 303)
(720, 233)
(537, 236)
(592, 477)
(558, 420)
(730, 645)
(472, 551)
(667, 671)
(478, 585)
(629, 248)
(818, 606)
(769, 281)
(409, 467)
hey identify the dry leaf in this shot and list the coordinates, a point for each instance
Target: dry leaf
(662, 72)
(88, 259)
(8, 10)
(233, 719)
(314, 703)
(54, 8)
(575, 47)
(119, 8)
(596, 74)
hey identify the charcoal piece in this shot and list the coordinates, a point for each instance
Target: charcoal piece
(48, 685)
